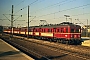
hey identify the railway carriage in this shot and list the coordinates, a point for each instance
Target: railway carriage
(64, 32)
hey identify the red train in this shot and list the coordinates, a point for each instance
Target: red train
(64, 32)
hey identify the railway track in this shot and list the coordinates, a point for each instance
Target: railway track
(17, 44)
(25, 44)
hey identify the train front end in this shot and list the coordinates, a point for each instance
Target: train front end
(74, 34)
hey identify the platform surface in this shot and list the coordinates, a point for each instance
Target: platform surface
(8, 52)
(86, 41)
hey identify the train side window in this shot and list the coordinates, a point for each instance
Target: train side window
(40, 30)
(62, 30)
(49, 30)
(30, 30)
(54, 30)
(66, 30)
(77, 30)
(44, 30)
(37, 30)
(58, 30)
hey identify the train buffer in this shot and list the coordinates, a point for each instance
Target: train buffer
(7, 52)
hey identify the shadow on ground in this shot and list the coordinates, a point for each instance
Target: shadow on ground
(8, 53)
(53, 57)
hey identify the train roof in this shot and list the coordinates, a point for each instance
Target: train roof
(55, 25)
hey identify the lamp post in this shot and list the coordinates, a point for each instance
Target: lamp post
(87, 29)
(66, 17)
(28, 24)
(43, 21)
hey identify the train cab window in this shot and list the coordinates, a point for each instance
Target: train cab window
(72, 30)
(77, 30)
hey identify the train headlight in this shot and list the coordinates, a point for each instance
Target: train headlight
(71, 36)
(78, 35)
(75, 36)
(65, 35)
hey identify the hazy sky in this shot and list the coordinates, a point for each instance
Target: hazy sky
(52, 11)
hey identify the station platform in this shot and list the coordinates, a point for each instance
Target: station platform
(86, 41)
(8, 52)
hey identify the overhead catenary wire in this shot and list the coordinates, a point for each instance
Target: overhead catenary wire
(36, 1)
(19, 10)
(49, 6)
(7, 17)
(16, 5)
(26, 6)
(64, 10)
(19, 3)
(74, 15)
(10, 10)
(56, 4)
(52, 6)
(59, 3)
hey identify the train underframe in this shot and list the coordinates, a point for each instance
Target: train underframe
(59, 40)
(52, 39)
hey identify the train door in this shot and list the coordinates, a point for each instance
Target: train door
(39, 31)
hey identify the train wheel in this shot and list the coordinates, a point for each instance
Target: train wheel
(62, 41)
(50, 40)
(58, 41)
(78, 42)
(67, 42)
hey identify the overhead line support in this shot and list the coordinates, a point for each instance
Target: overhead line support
(12, 22)
(28, 23)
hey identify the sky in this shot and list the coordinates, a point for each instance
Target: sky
(52, 11)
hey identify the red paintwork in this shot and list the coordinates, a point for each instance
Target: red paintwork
(58, 31)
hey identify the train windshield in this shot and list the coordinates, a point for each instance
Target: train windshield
(75, 30)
